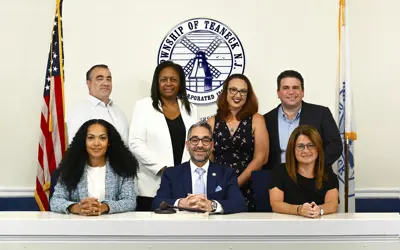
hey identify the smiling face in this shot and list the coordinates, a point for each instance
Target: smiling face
(168, 83)
(100, 84)
(96, 142)
(199, 145)
(305, 150)
(290, 92)
(237, 93)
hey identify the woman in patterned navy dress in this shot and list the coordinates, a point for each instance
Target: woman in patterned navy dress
(240, 136)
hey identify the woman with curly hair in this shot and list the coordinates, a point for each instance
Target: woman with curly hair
(96, 173)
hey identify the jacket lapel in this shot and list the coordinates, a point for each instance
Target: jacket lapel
(187, 120)
(109, 177)
(275, 131)
(187, 179)
(212, 176)
(304, 114)
(82, 187)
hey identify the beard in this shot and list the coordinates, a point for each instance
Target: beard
(195, 158)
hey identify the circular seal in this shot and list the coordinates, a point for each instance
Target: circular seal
(208, 51)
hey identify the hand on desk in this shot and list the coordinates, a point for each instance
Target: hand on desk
(198, 201)
(89, 207)
(311, 210)
(316, 209)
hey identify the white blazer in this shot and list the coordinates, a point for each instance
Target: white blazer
(150, 142)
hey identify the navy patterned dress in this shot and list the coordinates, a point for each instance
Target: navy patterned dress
(236, 151)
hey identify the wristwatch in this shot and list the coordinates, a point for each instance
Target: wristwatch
(214, 206)
(321, 211)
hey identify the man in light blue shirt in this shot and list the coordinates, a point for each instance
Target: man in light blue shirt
(286, 127)
(292, 112)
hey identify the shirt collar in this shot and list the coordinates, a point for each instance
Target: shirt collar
(193, 166)
(94, 101)
(282, 114)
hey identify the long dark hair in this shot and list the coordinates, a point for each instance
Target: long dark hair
(155, 90)
(119, 156)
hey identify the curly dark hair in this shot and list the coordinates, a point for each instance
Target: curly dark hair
(75, 159)
(155, 90)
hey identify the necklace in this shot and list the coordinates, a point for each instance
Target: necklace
(232, 125)
(231, 128)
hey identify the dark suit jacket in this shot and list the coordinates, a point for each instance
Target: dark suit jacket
(315, 115)
(176, 183)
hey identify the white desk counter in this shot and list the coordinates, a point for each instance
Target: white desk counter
(38, 230)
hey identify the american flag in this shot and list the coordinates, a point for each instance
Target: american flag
(52, 142)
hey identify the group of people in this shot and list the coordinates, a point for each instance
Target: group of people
(167, 156)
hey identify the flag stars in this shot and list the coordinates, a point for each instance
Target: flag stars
(48, 79)
(55, 69)
(55, 23)
(54, 55)
(47, 87)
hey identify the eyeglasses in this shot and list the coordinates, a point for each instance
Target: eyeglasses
(309, 146)
(195, 140)
(234, 91)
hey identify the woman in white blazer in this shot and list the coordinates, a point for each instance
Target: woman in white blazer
(158, 129)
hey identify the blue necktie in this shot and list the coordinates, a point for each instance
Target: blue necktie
(199, 186)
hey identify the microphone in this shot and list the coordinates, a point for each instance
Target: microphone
(165, 208)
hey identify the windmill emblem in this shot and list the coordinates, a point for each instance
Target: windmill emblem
(198, 67)
(207, 56)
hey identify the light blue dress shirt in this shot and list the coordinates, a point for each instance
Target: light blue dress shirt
(285, 129)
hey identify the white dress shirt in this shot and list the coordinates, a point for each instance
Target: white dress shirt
(93, 108)
(195, 176)
(96, 179)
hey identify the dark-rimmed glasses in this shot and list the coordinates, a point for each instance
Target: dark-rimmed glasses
(301, 146)
(234, 91)
(195, 140)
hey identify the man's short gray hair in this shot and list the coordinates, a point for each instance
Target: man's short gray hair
(200, 124)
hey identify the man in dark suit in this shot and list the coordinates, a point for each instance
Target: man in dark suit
(291, 113)
(199, 183)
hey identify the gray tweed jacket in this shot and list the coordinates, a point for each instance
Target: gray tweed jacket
(120, 193)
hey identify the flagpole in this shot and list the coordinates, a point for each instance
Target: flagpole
(348, 131)
(346, 176)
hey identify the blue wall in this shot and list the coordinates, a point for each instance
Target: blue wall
(362, 205)
(18, 204)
